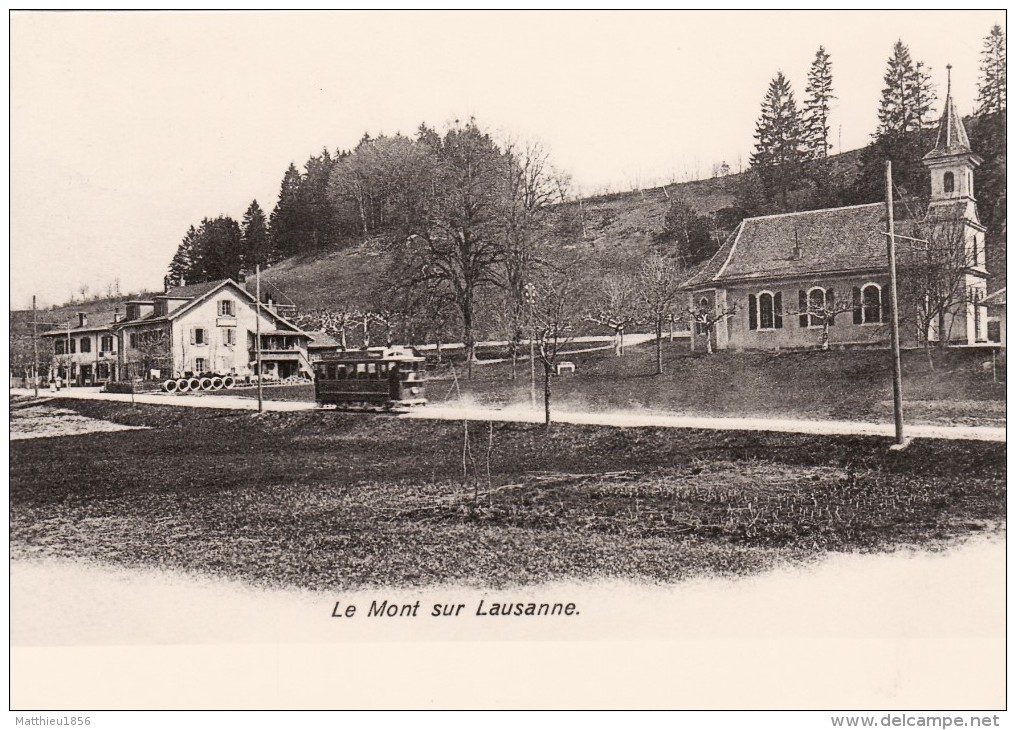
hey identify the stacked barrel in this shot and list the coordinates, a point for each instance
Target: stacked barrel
(195, 385)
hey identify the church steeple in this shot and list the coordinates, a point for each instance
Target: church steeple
(951, 161)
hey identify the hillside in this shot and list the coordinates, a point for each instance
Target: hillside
(618, 231)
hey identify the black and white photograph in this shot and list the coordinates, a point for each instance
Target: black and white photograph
(376, 360)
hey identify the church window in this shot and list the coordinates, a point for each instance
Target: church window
(948, 182)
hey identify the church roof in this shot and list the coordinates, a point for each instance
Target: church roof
(952, 135)
(831, 240)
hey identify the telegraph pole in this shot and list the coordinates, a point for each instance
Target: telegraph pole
(257, 335)
(35, 349)
(894, 320)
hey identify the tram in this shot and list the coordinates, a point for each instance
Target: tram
(376, 379)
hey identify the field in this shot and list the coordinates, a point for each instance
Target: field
(342, 501)
(849, 385)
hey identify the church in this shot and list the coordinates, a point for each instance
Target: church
(820, 278)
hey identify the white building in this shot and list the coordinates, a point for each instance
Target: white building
(208, 327)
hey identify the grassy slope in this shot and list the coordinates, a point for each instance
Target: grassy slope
(854, 385)
(851, 385)
(330, 501)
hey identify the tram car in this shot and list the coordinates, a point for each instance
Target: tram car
(378, 379)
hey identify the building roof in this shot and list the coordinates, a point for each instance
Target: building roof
(952, 135)
(834, 239)
(995, 299)
(97, 322)
(193, 290)
(195, 294)
(322, 340)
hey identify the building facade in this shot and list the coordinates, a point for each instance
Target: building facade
(86, 352)
(209, 328)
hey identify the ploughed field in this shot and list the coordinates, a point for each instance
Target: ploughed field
(330, 500)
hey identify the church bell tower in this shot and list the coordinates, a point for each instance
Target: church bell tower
(952, 163)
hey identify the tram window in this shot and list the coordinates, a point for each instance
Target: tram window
(361, 370)
(371, 370)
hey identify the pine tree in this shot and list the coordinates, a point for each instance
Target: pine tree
(819, 93)
(220, 249)
(924, 96)
(991, 89)
(896, 113)
(181, 268)
(284, 226)
(778, 152)
(908, 98)
(256, 242)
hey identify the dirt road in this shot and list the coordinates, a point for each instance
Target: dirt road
(630, 419)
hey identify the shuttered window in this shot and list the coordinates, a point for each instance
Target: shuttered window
(872, 303)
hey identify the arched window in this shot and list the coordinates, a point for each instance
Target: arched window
(816, 306)
(871, 298)
(765, 311)
(948, 182)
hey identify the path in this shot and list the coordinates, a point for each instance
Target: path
(610, 418)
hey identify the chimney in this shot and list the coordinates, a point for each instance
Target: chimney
(797, 248)
(82, 319)
(116, 314)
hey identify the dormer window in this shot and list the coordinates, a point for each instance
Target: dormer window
(948, 182)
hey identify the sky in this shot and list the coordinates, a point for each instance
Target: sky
(127, 128)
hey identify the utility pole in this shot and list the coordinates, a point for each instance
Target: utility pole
(35, 349)
(894, 320)
(257, 331)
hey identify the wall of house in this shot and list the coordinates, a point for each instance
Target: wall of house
(736, 334)
(132, 358)
(95, 365)
(218, 356)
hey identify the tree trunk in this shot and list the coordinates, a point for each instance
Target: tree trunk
(546, 394)
(825, 335)
(659, 345)
(927, 352)
(709, 342)
(515, 360)
(467, 337)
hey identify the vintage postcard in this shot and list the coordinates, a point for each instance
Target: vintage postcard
(462, 359)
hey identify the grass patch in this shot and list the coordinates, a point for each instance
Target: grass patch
(338, 501)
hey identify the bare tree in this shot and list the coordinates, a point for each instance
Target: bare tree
(704, 319)
(819, 308)
(554, 307)
(152, 353)
(334, 322)
(616, 308)
(530, 187)
(658, 288)
(933, 290)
